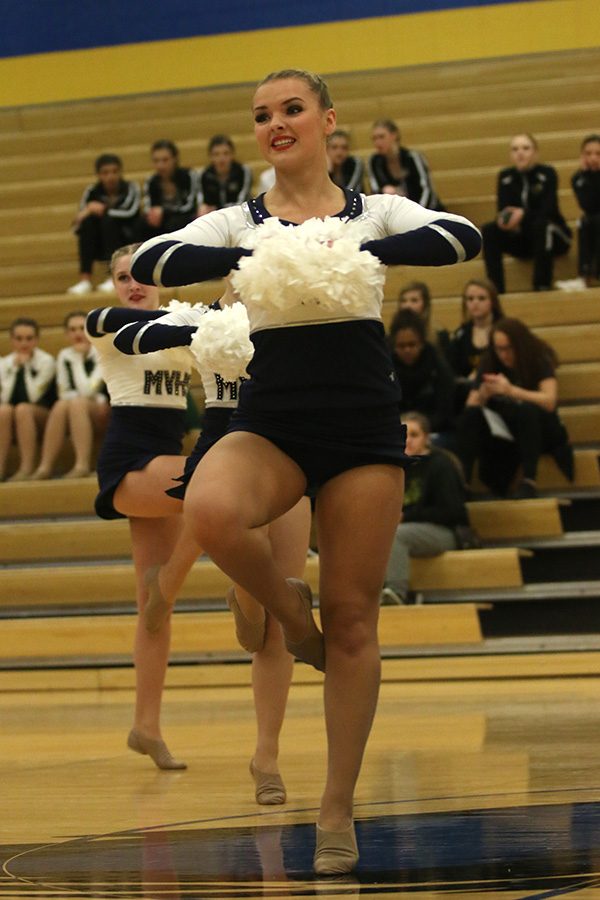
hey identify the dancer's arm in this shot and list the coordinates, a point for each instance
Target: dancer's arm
(421, 237)
(146, 337)
(108, 319)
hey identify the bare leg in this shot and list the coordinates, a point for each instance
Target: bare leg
(142, 494)
(272, 666)
(243, 483)
(173, 573)
(152, 542)
(54, 436)
(6, 435)
(29, 422)
(81, 429)
(357, 514)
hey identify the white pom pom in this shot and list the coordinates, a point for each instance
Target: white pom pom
(181, 306)
(318, 262)
(222, 343)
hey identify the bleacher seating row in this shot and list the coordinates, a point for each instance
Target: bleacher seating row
(64, 576)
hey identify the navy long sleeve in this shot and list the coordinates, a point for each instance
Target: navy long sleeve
(108, 319)
(428, 246)
(139, 337)
(172, 263)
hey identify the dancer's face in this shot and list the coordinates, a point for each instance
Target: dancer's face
(523, 152)
(290, 125)
(412, 300)
(129, 291)
(478, 303)
(75, 333)
(504, 349)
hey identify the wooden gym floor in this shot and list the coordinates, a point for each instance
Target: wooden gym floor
(486, 787)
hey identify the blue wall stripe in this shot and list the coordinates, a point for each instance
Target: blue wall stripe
(82, 24)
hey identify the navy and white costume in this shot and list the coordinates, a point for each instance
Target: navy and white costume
(31, 382)
(221, 396)
(543, 232)
(586, 187)
(415, 183)
(322, 386)
(148, 397)
(79, 375)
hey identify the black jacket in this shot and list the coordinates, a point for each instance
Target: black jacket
(416, 182)
(535, 191)
(351, 175)
(215, 192)
(184, 200)
(125, 206)
(586, 186)
(434, 491)
(427, 387)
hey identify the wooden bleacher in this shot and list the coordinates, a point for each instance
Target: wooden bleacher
(55, 558)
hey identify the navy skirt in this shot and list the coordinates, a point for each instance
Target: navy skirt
(214, 426)
(135, 436)
(326, 442)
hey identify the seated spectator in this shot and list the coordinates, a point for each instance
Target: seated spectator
(394, 169)
(345, 170)
(82, 407)
(586, 186)
(434, 506)
(27, 391)
(425, 378)
(480, 309)
(516, 382)
(529, 224)
(107, 218)
(225, 182)
(169, 195)
(416, 296)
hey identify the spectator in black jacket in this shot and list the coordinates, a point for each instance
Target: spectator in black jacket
(586, 185)
(480, 309)
(107, 219)
(529, 224)
(394, 169)
(425, 378)
(225, 182)
(516, 383)
(434, 506)
(345, 170)
(169, 195)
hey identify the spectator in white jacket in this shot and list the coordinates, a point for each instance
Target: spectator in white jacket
(82, 408)
(27, 391)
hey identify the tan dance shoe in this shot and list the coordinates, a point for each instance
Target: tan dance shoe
(336, 852)
(250, 635)
(270, 789)
(311, 649)
(157, 750)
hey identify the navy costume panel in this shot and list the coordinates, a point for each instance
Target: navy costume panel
(135, 436)
(215, 425)
(326, 442)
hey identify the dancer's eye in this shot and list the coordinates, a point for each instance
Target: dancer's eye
(293, 109)
(261, 117)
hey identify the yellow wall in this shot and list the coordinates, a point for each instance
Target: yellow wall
(350, 46)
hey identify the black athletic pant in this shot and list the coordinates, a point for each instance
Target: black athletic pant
(540, 240)
(171, 221)
(100, 236)
(589, 246)
(534, 429)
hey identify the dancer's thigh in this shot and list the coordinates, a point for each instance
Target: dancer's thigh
(142, 493)
(357, 515)
(244, 478)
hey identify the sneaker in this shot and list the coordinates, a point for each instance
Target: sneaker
(389, 597)
(107, 286)
(571, 284)
(82, 287)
